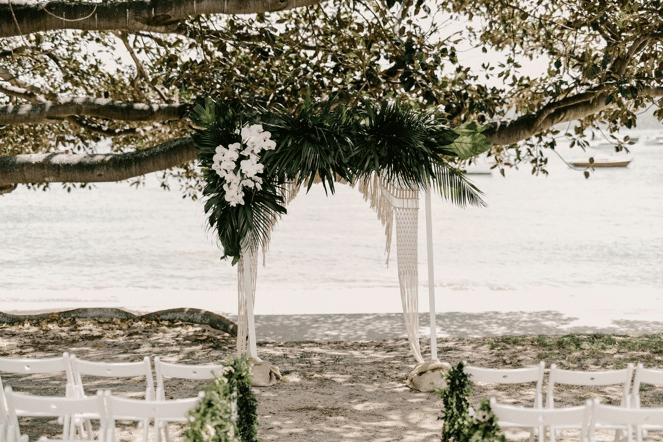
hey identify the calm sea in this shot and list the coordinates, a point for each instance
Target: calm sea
(147, 249)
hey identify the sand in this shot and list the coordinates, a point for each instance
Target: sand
(335, 391)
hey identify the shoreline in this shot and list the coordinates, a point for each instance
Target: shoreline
(645, 319)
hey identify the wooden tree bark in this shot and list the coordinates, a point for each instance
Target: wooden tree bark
(64, 168)
(162, 16)
(91, 107)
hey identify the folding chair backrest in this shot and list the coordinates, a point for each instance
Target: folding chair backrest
(171, 410)
(579, 416)
(589, 378)
(161, 411)
(114, 370)
(182, 371)
(644, 376)
(28, 366)
(19, 404)
(604, 414)
(510, 376)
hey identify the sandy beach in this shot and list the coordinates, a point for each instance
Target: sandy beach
(334, 390)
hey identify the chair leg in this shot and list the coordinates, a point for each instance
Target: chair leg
(166, 432)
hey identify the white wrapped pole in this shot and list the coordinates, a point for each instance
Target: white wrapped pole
(431, 276)
(250, 290)
(247, 270)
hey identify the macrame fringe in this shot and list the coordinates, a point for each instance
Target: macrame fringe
(372, 191)
(395, 203)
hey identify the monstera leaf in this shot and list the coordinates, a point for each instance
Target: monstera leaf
(470, 142)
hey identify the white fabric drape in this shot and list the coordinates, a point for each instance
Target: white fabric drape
(247, 273)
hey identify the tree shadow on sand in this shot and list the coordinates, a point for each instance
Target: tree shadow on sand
(330, 327)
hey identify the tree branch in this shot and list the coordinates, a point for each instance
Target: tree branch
(19, 89)
(42, 168)
(65, 168)
(505, 133)
(161, 16)
(91, 107)
(106, 131)
(139, 66)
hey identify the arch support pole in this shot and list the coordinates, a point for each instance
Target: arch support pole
(431, 275)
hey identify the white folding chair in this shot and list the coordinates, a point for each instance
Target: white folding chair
(161, 412)
(510, 376)
(627, 418)
(542, 418)
(31, 366)
(620, 378)
(647, 376)
(644, 376)
(181, 371)
(589, 378)
(82, 367)
(19, 404)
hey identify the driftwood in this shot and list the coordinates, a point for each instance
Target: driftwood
(193, 315)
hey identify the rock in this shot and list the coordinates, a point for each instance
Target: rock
(264, 374)
(427, 376)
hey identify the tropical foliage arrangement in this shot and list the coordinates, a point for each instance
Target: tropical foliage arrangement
(459, 424)
(229, 410)
(251, 156)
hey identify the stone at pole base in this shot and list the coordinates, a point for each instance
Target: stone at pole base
(427, 376)
(264, 374)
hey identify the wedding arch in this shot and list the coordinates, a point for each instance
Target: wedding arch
(256, 160)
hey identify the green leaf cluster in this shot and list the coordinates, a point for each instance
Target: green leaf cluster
(328, 142)
(228, 411)
(459, 424)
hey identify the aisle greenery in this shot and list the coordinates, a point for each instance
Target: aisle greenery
(459, 424)
(229, 410)
(250, 154)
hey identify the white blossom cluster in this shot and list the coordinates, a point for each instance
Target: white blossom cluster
(238, 163)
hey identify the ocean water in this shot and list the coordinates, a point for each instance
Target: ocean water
(540, 238)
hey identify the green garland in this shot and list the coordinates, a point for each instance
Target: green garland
(215, 419)
(459, 425)
(326, 142)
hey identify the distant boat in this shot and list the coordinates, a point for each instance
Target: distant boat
(655, 141)
(480, 166)
(601, 160)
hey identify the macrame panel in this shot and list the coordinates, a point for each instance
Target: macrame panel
(248, 261)
(407, 245)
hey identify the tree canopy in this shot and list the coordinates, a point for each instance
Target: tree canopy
(75, 73)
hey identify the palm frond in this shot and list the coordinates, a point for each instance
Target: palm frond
(453, 185)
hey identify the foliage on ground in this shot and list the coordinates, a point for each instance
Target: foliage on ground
(228, 412)
(461, 423)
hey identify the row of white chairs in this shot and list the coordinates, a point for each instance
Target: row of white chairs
(103, 407)
(74, 369)
(623, 378)
(589, 419)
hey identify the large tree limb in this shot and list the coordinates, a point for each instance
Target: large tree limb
(91, 107)
(161, 16)
(40, 168)
(506, 133)
(64, 168)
